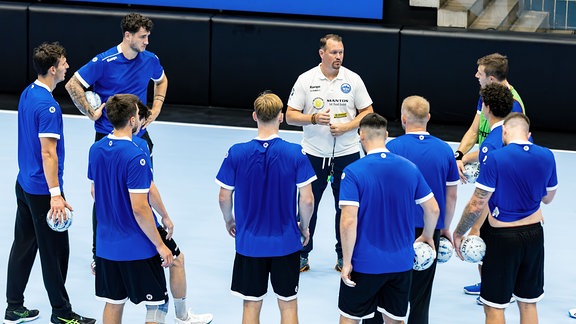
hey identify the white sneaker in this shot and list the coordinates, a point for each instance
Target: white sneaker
(195, 319)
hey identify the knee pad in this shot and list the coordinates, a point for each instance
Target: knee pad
(156, 313)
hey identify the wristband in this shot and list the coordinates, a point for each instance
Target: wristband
(458, 155)
(55, 191)
(313, 119)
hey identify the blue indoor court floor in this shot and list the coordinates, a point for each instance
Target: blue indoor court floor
(186, 160)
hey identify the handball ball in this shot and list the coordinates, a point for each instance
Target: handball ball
(473, 248)
(424, 256)
(56, 225)
(445, 250)
(471, 171)
(93, 99)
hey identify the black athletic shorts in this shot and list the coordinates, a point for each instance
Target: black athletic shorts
(389, 293)
(138, 280)
(171, 244)
(513, 264)
(250, 276)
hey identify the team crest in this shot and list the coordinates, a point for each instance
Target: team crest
(142, 162)
(345, 87)
(94, 59)
(318, 103)
(383, 155)
(484, 149)
(52, 109)
(343, 176)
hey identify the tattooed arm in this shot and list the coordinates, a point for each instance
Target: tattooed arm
(472, 212)
(78, 96)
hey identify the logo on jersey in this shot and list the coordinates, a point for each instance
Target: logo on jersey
(526, 148)
(149, 296)
(318, 103)
(226, 155)
(52, 109)
(292, 92)
(340, 115)
(95, 59)
(421, 137)
(343, 176)
(303, 153)
(383, 155)
(142, 162)
(345, 87)
(314, 88)
(111, 59)
(484, 149)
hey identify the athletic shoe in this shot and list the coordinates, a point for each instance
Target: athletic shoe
(20, 315)
(71, 318)
(338, 266)
(304, 265)
(195, 319)
(572, 313)
(473, 289)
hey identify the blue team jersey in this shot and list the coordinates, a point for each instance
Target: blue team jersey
(518, 175)
(143, 145)
(118, 167)
(111, 73)
(265, 175)
(386, 188)
(435, 159)
(39, 115)
(492, 142)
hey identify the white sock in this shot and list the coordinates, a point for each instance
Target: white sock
(180, 308)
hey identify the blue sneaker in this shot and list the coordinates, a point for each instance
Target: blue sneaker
(473, 289)
(572, 313)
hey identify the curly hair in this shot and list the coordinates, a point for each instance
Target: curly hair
(499, 98)
(133, 21)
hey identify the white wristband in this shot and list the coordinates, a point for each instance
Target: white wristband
(55, 191)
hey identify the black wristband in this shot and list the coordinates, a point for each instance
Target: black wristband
(458, 155)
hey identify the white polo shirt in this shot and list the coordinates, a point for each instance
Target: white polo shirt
(314, 93)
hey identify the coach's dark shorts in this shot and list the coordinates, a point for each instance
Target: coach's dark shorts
(138, 280)
(388, 293)
(250, 276)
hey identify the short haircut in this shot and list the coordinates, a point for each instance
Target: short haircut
(495, 65)
(517, 119)
(325, 39)
(143, 111)
(120, 108)
(267, 106)
(499, 98)
(373, 125)
(46, 56)
(133, 21)
(416, 109)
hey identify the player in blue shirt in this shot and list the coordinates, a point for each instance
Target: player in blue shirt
(513, 182)
(178, 284)
(434, 158)
(492, 68)
(261, 184)
(39, 192)
(130, 253)
(497, 104)
(125, 68)
(378, 196)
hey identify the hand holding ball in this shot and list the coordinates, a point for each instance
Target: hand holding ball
(473, 248)
(471, 171)
(445, 250)
(58, 226)
(424, 256)
(93, 99)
